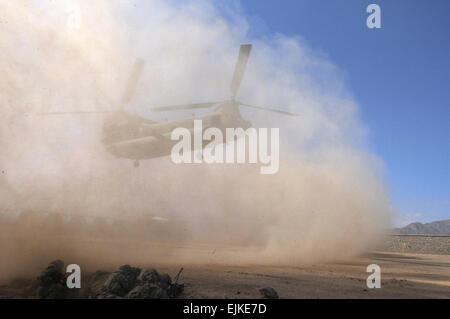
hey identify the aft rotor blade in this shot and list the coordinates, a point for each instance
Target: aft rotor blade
(184, 107)
(132, 82)
(268, 109)
(239, 70)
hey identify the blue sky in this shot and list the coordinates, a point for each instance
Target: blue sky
(400, 76)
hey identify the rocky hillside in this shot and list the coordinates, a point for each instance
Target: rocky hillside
(441, 227)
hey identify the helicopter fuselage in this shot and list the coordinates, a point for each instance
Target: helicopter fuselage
(145, 140)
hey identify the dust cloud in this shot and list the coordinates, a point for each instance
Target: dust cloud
(62, 195)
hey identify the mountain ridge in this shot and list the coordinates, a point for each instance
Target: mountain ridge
(440, 227)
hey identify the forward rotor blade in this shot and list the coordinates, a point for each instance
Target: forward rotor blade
(132, 82)
(268, 109)
(184, 107)
(239, 70)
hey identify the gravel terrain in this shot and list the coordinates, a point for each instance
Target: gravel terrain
(431, 244)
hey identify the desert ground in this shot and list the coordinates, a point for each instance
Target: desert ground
(403, 275)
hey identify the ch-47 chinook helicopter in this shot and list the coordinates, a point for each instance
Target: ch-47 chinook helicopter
(131, 136)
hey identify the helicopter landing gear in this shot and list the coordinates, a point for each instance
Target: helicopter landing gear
(136, 163)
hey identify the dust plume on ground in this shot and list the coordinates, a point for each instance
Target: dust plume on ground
(328, 200)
